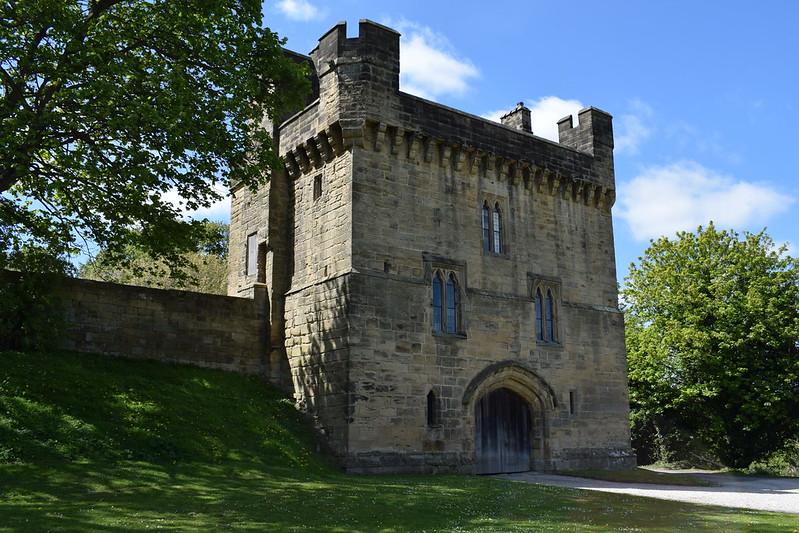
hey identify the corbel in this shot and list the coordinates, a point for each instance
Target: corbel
(460, 158)
(397, 139)
(380, 136)
(475, 161)
(502, 168)
(444, 154)
(610, 198)
(538, 178)
(303, 160)
(597, 195)
(314, 156)
(291, 164)
(427, 149)
(576, 188)
(352, 132)
(489, 165)
(414, 145)
(554, 183)
(516, 173)
(323, 146)
(334, 139)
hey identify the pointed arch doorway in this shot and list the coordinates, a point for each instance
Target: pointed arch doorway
(509, 407)
(503, 433)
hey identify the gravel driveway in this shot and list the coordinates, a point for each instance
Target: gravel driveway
(764, 494)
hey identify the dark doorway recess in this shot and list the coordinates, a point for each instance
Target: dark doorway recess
(503, 424)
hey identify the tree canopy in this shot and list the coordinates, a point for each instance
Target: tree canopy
(712, 323)
(206, 267)
(108, 105)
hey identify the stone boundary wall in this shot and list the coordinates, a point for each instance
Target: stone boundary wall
(206, 330)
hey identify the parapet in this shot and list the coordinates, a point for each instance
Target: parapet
(376, 45)
(593, 134)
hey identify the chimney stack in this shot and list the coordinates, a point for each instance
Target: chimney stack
(519, 118)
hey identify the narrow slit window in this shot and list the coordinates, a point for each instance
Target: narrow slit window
(539, 316)
(262, 262)
(252, 254)
(453, 305)
(497, 230)
(550, 317)
(486, 222)
(432, 409)
(317, 186)
(571, 402)
(437, 308)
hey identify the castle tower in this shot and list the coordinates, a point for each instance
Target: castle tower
(442, 287)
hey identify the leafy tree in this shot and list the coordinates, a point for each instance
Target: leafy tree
(106, 105)
(31, 315)
(207, 267)
(712, 322)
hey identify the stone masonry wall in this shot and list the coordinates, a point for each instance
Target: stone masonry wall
(249, 213)
(403, 211)
(402, 182)
(168, 325)
(317, 301)
(317, 344)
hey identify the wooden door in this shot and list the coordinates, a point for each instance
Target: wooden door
(502, 433)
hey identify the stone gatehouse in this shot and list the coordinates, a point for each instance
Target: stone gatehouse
(442, 288)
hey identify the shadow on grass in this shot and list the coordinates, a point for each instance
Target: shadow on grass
(98, 444)
(132, 495)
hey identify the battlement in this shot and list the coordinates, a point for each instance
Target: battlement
(593, 134)
(360, 105)
(376, 45)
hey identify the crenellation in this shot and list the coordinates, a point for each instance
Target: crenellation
(383, 190)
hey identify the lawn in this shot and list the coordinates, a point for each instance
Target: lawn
(98, 444)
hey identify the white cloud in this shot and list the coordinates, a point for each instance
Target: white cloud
(429, 66)
(546, 112)
(633, 128)
(496, 116)
(218, 211)
(299, 10)
(681, 196)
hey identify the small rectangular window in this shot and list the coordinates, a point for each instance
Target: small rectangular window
(252, 254)
(571, 402)
(317, 186)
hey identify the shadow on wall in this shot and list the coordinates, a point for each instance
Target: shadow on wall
(318, 347)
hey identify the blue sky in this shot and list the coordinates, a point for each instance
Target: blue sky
(703, 94)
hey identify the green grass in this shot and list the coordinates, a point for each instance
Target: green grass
(641, 475)
(97, 444)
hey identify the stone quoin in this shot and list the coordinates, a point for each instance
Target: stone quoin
(441, 288)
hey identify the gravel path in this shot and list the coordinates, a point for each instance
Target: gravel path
(764, 494)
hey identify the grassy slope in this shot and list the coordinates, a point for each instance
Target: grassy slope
(92, 443)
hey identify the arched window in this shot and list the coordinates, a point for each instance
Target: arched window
(453, 305)
(486, 221)
(437, 307)
(497, 230)
(432, 409)
(539, 316)
(550, 317)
